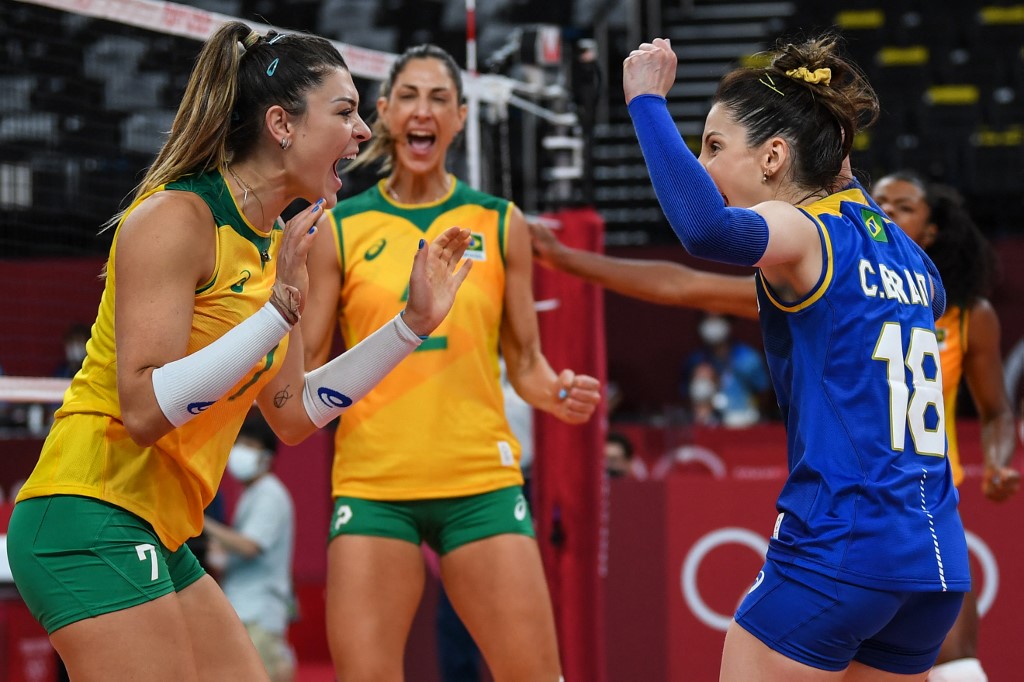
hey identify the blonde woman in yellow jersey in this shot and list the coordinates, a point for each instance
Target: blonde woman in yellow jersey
(203, 287)
(968, 334)
(430, 456)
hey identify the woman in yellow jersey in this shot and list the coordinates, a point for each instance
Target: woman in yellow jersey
(205, 284)
(968, 333)
(430, 456)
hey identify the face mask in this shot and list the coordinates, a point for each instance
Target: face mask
(245, 463)
(702, 390)
(714, 330)
(74, 352)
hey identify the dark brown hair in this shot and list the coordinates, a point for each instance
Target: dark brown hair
(819, 121)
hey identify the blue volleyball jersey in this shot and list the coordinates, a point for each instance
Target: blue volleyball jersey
(869, 498)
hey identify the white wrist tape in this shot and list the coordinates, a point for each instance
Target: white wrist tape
(330, 389)
(186, 387)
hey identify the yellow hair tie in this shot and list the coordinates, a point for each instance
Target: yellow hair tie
(823, 76)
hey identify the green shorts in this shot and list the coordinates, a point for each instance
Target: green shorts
(444, 524)
(77, 557)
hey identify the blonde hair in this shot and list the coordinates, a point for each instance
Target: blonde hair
(238, 75)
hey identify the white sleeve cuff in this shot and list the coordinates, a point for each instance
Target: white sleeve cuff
(331, 389)
(186, 387)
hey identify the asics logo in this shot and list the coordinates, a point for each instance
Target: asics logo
(333, 398)
(375, 250)
(344, 516)
(196, 408)
(757, 582)
(240, 284)
(520, 510)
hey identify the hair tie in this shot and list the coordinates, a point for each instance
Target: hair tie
(250, 40)
(823, 76)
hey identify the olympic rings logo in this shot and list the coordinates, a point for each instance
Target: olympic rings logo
(759, 544)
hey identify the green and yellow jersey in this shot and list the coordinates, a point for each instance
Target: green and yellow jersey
(435, 426)
(88, 451)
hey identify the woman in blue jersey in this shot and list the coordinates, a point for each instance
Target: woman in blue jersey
(867, 563)
(206, 285)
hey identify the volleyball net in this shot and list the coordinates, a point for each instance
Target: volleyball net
(90, 88)
(88, 92)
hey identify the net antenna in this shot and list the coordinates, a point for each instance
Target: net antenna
(198, 24)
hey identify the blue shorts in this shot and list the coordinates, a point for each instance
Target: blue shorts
(824, 623)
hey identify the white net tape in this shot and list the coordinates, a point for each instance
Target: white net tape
(32, 389)
(199, 24)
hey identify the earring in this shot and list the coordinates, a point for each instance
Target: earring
(764, 177)
(285, 142)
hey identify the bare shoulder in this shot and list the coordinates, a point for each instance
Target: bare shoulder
(783, 215)
(983, 307)
(983, 324)
(172, 227)
(185, 210)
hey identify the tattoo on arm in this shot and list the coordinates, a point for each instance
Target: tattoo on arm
(281, 397)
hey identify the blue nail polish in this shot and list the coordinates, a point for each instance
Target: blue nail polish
(423, 243)
(562, 394)
(312, 229)
(320, 201)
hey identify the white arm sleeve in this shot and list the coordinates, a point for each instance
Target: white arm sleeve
(186, 387)
(330, 389)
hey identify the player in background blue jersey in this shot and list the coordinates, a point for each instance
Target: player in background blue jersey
(867, 564)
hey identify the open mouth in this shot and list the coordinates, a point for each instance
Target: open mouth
(337, 162)
(420, 141)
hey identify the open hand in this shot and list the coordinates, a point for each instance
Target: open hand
(649, 70)
(292, 285)
(435, 280)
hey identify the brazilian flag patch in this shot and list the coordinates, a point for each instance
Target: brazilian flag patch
(476, 250)
(875, 225)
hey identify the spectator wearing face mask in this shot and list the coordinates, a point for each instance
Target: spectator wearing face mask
(706, 400)
(75, 339)
(740, 370)
(258, 576)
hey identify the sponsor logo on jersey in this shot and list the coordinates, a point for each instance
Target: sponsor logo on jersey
(477, 249)
(240, 284)
(875, 224)
(375, 249)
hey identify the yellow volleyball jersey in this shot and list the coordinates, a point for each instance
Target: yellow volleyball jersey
(88, 451)
(951, 332)
(435, 426)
